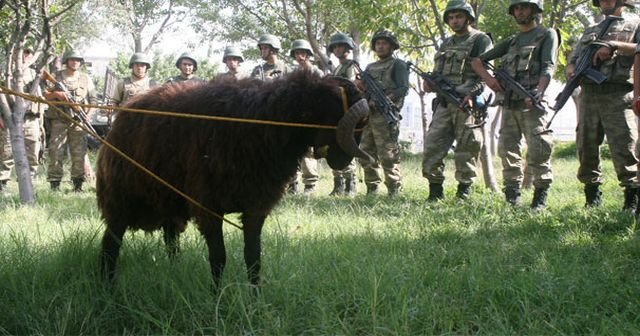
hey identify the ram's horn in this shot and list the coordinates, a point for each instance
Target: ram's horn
(345, 133)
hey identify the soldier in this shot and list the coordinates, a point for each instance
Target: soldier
(301, 51)
(272, 68)
(377, 139)
(81, 90)
(530, 58)
(449, 122)
(32, 127)
(606, 108)
(344, 181)
(138, 83)
(187, 65)
(232, 58)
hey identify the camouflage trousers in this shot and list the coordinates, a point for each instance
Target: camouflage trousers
(32, 144)
(607, 113)
(449, 124)
(61, 133)
(308, 169)
(517, 121)
(381, 143)
(347, 172)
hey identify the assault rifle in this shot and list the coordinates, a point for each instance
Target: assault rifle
(77, 112)
(389, 110)
(511, 84)
(584, 67)
(446, 90)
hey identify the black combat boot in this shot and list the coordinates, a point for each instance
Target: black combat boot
(350, 186)
(630, 199)
(539, 201)
(55, 185)
(77, 184)
(292, 188)
(512, 194)
(372, 189)
(464, 190)
(435, 192)
(592, 195)
(338, 186)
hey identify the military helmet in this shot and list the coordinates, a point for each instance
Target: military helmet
(300, 45)
(536, 3)
(232, 52)
(624, 2)
(385, 34)
(188, 56)
(270, 40)
(140, 58)
(460, 5)
(340, 38)
(72, 54)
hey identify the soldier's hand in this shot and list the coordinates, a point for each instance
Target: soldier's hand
(467, 100)
(359, 84)
(492, 82)
(603, 54)
(55, 95)
(426, 87)
(636, 107)
(570, 70)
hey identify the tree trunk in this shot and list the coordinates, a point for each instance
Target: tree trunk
(16, 131)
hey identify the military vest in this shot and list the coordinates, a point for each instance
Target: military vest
(382, 71)
(269, 72)
(131, 88)
(78, 85)
(523, 62)
(618, 68)
(453, 60)
(345, 70)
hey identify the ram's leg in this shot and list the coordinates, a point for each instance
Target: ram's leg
(211, 229)
(171, 229)
(111, 243)
(252, 225)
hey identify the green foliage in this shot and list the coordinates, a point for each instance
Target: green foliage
(337, 266)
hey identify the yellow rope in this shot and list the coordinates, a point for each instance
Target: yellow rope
(119, 152)
(163, 113)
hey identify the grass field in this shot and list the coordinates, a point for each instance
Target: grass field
(338, 266)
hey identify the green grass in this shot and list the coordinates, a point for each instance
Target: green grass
(337, 266)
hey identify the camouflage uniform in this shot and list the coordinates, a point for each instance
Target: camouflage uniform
(82, 91)
(378, 138)
(129, 87)
(268, 72)
(606, 111)
(32, 134)
(449, 123)
(527, 56)
(346, 176)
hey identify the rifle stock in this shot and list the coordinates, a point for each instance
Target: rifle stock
(445, 89)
